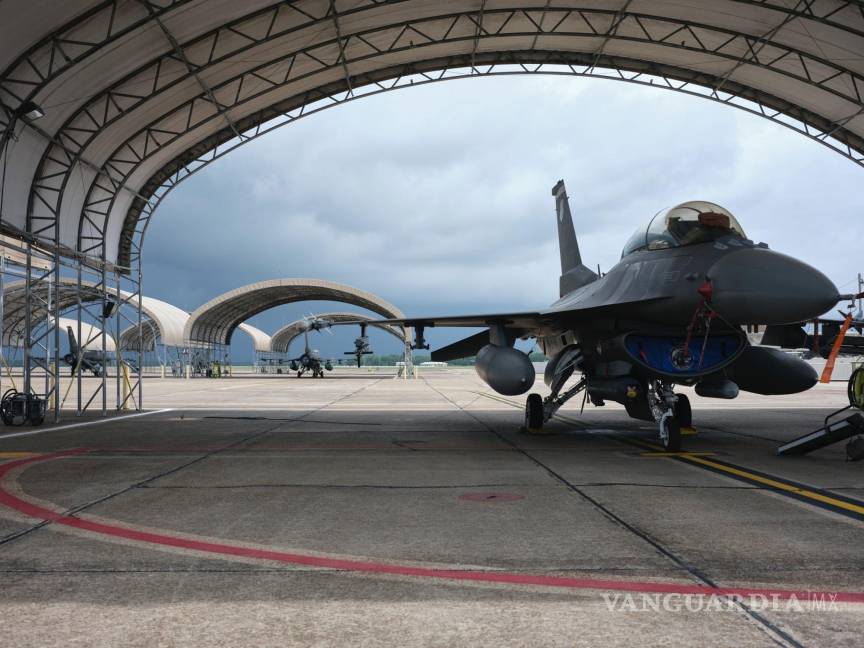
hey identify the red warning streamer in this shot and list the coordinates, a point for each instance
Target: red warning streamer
(835, 350)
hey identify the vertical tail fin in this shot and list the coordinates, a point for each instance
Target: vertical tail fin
(73, 346)
(573, 273)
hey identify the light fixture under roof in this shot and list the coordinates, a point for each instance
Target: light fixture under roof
(30, 111)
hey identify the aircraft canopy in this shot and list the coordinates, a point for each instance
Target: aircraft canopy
(689, 223)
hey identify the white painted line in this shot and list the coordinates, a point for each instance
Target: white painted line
(113, 419)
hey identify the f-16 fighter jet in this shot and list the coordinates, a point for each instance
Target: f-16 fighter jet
(92, 361)
(669, 313)
(310, 360)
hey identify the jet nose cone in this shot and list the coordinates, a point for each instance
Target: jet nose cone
(759, 286)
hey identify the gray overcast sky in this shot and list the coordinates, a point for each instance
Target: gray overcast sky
(438, 197)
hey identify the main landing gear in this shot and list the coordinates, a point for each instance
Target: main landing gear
(671, 411)
(538, 410)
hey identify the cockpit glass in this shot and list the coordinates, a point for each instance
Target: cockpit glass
(687, 224)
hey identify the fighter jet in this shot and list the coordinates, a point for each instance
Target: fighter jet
(92, 361)
(669, 313)
(310, 359)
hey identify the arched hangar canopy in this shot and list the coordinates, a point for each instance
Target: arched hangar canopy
(134, 95)
(164, 320)
(91, 336)
(170, 319)
(215, 321)
(283, 338)
(151, 331)
(149, 334)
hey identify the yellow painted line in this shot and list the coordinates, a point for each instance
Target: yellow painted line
(759, 479)
(15, 455)
(698, 458)
(818, 497)
(689, 431)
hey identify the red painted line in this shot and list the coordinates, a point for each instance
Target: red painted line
(33, 510)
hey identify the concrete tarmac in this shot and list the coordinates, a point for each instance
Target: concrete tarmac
(366, 510)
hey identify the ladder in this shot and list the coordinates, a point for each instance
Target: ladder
(841, 430)
(852, 425)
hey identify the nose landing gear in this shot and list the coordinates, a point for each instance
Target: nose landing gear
(670, 433)
(683, 411)
(668, 409)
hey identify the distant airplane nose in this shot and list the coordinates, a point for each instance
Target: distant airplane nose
(760, 286)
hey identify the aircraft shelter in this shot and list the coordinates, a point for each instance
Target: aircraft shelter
(213, 323)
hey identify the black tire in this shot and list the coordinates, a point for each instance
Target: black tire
(672, 442)
(683, 411)
(855, 389)
(534, 413)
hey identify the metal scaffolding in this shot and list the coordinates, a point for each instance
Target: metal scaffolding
(41, 290)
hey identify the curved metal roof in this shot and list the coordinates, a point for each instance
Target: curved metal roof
(138, 95)
(215, 321)
(282, 339)
(90, 335)
(260, 340)
(169, 319)
(151, 331)
(164, 321)
(15, 305)
(149, 334)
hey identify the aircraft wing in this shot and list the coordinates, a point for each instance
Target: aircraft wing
(531, 322)
(517, 325)
(508, 320)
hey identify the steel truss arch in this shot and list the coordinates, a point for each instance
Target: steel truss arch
(795, 62)
(213, 324)
(89, 121)
(807, 124)
(101, 200)
(70, 44)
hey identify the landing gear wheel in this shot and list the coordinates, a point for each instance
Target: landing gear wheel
(855, 390)
(683, 411)
(670, 434)
(534, 414)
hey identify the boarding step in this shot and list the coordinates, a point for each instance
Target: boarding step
(824, 436)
